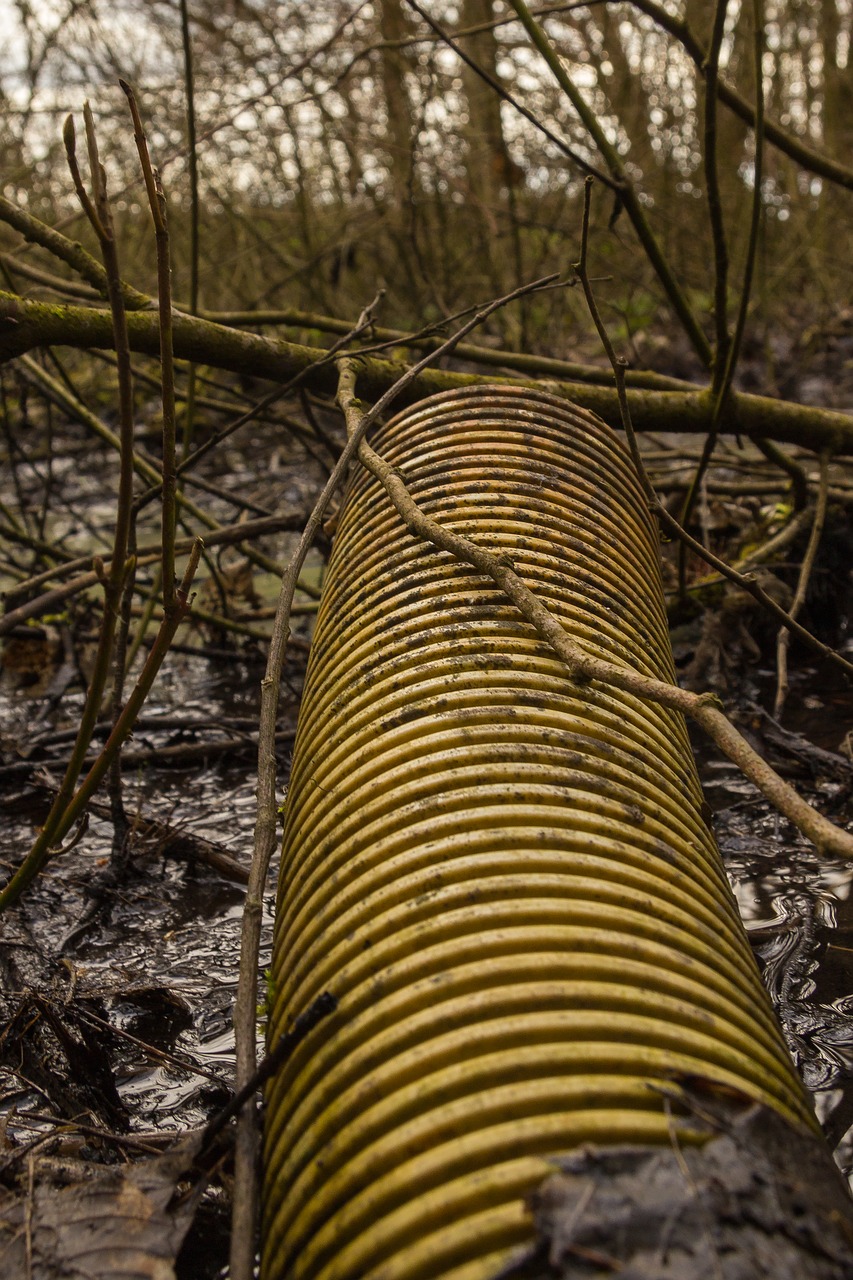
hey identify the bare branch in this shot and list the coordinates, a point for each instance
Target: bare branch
(703, 708)
(25, 325)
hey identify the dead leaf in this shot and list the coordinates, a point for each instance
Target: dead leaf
(118, 1225)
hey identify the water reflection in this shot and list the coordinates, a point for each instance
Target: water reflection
(171, 939)
(798, 911)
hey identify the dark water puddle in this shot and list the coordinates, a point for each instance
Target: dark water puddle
(162, 962)
(167, 964)
(797, 906)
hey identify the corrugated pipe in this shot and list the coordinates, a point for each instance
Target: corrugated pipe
(505, 878)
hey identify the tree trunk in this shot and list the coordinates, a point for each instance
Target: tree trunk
(394, 65)
(490, 170)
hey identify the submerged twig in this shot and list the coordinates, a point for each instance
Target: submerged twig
(783, 640)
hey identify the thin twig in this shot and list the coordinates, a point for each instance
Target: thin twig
(721, 271)
(503, 93)
(363, 323)
(796, 474)
(157, 205)
(783, 640)
(728, 346)
(60, 285)
(234, 535)
(691, 495)
(795, 147)
(195, 205)
(68, 251)
(118, 816)
(703, 708)
(431, 336)
(733, 353)
(184, 1062)
(55, 391)
(676, 296)
(715, 204)
(65, 810)
(770, 549)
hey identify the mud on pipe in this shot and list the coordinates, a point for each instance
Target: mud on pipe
(504, 878)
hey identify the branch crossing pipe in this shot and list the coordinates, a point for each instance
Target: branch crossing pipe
(505, 878)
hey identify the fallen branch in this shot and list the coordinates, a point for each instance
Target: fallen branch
(25, 325)
(703, 708)
(432, 338)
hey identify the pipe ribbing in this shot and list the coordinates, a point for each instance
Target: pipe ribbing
(504, 877)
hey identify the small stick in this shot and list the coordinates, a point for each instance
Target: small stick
(157, 205)
(195, 208)
(783, 640)
(715, 209)
(756, 210)
(727, 350)
(324, 1004)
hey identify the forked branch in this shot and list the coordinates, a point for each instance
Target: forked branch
(703, 708)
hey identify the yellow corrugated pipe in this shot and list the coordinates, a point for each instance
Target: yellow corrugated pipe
(504, 877)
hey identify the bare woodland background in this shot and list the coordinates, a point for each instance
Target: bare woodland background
(345, 147)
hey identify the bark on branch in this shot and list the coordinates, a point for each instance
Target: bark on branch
(26, 325)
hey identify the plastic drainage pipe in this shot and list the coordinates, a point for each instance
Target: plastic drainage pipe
(504, 878)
